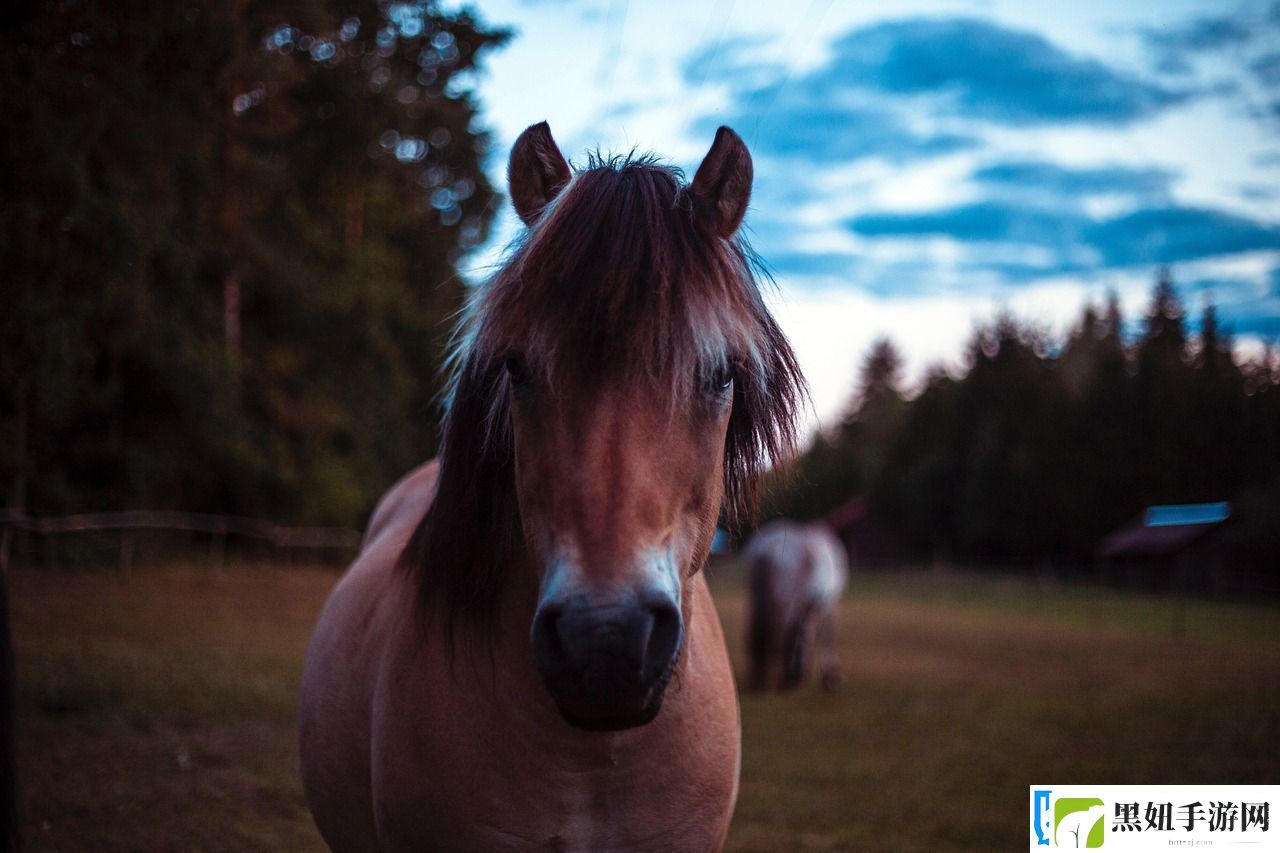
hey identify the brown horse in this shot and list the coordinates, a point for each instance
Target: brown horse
(525, 654)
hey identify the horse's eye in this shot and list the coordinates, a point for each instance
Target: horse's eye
(517, 368)
(721, 381)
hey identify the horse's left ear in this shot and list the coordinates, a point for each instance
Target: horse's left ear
(536, 172)
(722, 185)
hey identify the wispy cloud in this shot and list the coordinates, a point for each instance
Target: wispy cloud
(1071, 182)
(981, 222)
(871, 96)
(819, 130)
(987, 71)
(1174, 234)
(1242, 42)
(909, 91)
(1175, 46)
(809, 264)
(734, 62)
(1267, 68)
(1245, 306)
(1076, 241)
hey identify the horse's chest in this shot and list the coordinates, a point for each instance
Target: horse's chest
(492, 799)
(483, 787)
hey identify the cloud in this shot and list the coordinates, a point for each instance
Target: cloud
(1173, 46)
(1154, 235)
(1201, 34)
(979, 222)
(1267, 69)
(1258, 192)
(916, 277)
(1241, 43)
(985, 71)
(915, 89)
(732, 61)
(1040, 176)
(818, 130)
(907, 91)
(810, 264)
(1172, 234)
(1266, 73)
(1244, 306)
(1266, 326)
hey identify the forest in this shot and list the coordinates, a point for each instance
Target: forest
(228, 238)
(1040, 447)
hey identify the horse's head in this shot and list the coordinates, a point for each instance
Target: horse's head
(622, 379)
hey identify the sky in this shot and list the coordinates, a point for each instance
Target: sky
(922, 166)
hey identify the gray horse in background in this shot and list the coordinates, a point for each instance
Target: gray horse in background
(797, 574)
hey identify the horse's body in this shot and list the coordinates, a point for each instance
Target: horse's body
(440, 755)
(797, 574)
(492, 673)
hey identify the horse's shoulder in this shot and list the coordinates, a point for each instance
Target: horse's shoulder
(357, 626)
(404, 504)
(364, 604)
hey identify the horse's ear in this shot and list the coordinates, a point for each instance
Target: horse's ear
(722, 185)
(536, 172)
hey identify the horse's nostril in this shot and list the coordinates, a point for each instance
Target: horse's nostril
(664, 638)
(644, 634)
(548, 647)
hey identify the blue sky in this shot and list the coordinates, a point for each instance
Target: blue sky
(921, 166)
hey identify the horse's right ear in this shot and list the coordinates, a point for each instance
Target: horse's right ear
(722, 184)
(536, 172)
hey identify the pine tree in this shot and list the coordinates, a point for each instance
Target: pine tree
(230, 250)
(870, 427)
(1162, 381)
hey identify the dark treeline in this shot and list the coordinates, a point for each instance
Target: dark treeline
(1043, 447)
(227, 249)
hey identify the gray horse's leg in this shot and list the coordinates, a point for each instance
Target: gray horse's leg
(758, 645)
(831, 675)
(796, 650)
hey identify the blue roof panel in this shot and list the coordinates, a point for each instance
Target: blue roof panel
(1178, 514)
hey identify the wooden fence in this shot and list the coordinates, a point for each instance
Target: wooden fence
(218, 527)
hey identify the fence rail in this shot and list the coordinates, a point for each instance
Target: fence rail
(219, 527)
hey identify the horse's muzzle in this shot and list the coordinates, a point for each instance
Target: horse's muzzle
(607, 667)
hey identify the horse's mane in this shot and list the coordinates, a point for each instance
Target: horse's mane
(618, 280)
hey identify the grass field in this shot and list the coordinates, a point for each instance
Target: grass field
(157, 714)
